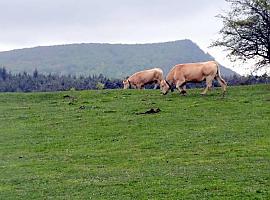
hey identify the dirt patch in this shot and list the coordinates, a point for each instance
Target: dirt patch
(82, 107)
(68, 97)
(150, 111)
(71, 99)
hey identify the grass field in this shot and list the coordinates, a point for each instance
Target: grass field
(99, 145)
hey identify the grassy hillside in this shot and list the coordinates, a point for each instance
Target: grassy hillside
(99, 145)
(112, 60)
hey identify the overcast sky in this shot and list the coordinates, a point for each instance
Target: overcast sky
(29, 23)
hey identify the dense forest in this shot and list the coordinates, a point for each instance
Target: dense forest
(25, 82)
(111, 60)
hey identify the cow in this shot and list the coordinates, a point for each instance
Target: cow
(142, 78)
(181, 74)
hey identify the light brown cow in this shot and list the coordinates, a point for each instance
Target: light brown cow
(140, 79)
(192, 72)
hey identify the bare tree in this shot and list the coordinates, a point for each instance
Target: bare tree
(246, 31)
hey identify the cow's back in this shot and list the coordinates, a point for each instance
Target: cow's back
(147, 75)
(210, 67)
(192, 71)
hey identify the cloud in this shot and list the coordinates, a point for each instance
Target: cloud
(64, 20)
(27, 23)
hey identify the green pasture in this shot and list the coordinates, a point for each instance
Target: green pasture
(107, 144)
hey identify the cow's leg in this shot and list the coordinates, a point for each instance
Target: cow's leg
(209, 80)
(180, 85)
(157, 83)
(184, 91)
(138, 86)
(142, 87)
(222, 83)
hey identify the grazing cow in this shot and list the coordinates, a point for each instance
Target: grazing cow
(140, 79)
(192, 72)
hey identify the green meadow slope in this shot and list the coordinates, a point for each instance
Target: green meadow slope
(99, 145)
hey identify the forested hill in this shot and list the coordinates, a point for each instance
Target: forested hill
(112, 60)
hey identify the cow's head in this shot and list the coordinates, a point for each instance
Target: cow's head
(126, 84)
(164, 87)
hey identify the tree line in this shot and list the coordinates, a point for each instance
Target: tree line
(37, 82)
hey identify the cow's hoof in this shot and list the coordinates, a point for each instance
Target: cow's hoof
(202, 94)
(184, 92)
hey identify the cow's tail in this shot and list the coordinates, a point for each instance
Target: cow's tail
(221, 81)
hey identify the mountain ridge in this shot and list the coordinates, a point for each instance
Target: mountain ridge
(112, 60)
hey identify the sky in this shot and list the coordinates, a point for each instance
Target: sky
(30, 23)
